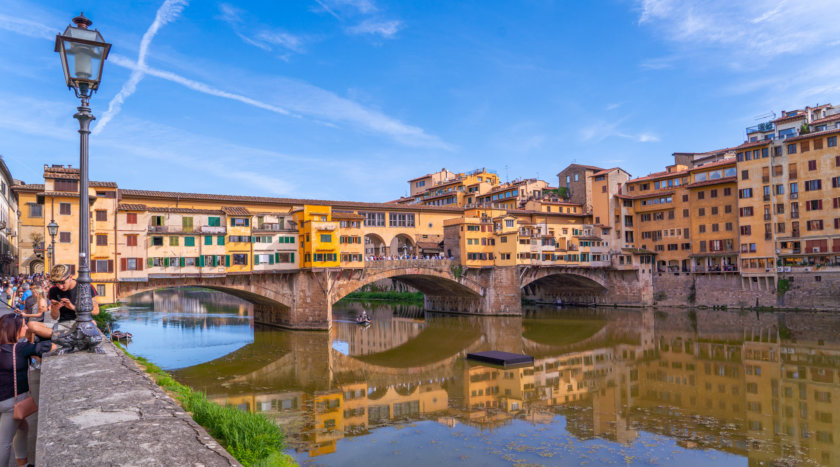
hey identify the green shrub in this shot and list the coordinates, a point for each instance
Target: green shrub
(105, 319)
(251, 438)
(385, 295)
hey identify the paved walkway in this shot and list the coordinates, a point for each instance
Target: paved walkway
(105, 410)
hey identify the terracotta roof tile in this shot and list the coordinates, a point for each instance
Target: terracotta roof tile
(753, 144)
(31, 187)
(830, 118)
(646, 195)
(712, 182)
(131, 207)
(710, 165)
(787, 118)
(657, 175)
(235, 211)
(815, 134)
(95, 184)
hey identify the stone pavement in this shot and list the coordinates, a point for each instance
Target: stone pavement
(105, 410)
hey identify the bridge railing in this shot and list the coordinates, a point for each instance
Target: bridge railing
(409, 263)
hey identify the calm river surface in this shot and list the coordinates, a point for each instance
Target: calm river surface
(609, 386)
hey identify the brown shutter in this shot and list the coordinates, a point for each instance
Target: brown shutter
(139, 264)
(110, 265)
(123, 264)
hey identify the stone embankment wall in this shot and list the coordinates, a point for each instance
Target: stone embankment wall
(812, 290)
(104, 410)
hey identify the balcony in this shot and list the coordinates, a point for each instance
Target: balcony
(761, 128)
(794, 195)
(212, 229)
(767, 217)
(158, 228)
(768, 236)
(794, 215)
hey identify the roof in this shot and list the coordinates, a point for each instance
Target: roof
(653, 194)
(60, 169)
(811, 135)
(131, 207)
(5, 170)
(429, 245)
(430, 174)
(830, 118)
(658, 175)
(94, 184)
(606, 171)
(590, 167)
(710, 165)
(285, 201)
(32, 187)
(787, 118)
(752, 144)
(712, 182)
(235, 211)
(544, 213)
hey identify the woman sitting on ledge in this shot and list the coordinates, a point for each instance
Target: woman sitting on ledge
(13, 338)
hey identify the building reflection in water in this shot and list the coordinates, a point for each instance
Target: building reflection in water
(760, 386)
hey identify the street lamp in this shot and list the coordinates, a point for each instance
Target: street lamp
(83, 52)
(52, 229)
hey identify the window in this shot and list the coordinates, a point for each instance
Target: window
(815, 225)
(702, 228)
(214, 221)
(220, 240)
(157, 241)
(401, 220)
(189, 241)
(727, 209)
(791, 148)
(813, 205)
(101, 240)
(101, 265)
(727, 191)
(326, 238)
(685, 213)
(746, 230)
(714, 210)
(812, 185)
(240, 222)
(67, 185)
(745, 175)
(36, 210)
(374, 219)
(100, 289)
(187, 223)
(701, 195)
(745, 193)
(746, 211)
(729, 226)
(240, 259)
(812, 165)
(713, 193)
(701, 212)
(173, 241)
(101, 215)
(64, 209)
(64, 237)
(131, 218)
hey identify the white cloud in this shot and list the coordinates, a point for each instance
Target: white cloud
(168, 12)
(758, 28)
(383, 28)
(601, 130)
(27, 27)
(360, 6)
(264, 38)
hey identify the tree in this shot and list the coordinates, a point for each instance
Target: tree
(36, 237)
(804, 129)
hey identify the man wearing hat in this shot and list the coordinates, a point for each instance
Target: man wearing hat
(62, 296)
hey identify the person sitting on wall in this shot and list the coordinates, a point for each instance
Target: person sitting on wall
(62, 297)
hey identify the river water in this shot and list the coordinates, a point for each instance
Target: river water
(608, 386)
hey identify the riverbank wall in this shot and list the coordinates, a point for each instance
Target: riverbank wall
(102, 409)
(807, 290)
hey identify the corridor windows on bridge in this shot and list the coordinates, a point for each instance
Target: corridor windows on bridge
(240, 259)
(401, 220)
(374, 219)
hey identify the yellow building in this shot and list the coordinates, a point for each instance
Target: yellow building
(351, 245)
(714, 217)
(318, 237)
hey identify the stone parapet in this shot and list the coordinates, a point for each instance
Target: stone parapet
(104, 410)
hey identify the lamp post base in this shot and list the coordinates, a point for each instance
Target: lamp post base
(82, 336)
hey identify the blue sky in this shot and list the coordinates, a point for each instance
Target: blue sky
(347, 99)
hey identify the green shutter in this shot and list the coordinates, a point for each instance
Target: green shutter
(276, 257)
(292, 257)
(181, 261)
(253, 239)
(166, 262)
(270, 259)
(227, 261)
(256, 260)
(200, 261)
(220, 240)
(150, 262)
(208, 240)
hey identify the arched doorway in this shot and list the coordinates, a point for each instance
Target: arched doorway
(402, 245)
(374, 245)
(36, 267)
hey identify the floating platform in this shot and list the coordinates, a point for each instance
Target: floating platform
(503, 359)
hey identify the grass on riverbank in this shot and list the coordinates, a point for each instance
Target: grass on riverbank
(252, 439)
(105, 319)
(386, 295)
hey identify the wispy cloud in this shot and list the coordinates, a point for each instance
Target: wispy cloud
(383, 28)
(360, 6)
(26, 27)
(758, 28)
(265, 38)
(662, 63)
(168, 12)
(601, 130)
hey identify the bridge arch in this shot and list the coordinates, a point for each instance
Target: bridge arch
(374, 245)
(428, 280)
(568, 285)
(402, 244)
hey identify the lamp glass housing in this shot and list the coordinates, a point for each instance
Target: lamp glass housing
(83, 53)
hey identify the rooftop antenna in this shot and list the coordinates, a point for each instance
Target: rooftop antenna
(766, 116)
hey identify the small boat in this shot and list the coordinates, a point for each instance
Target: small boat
(119, 335)
(363, 319)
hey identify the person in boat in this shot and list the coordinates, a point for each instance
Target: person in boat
(363, 318)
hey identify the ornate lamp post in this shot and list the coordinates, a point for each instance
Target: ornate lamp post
(83, 52)
(52, 229)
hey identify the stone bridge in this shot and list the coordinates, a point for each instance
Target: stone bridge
(303, 299)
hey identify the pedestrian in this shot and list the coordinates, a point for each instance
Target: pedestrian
(14, 379)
